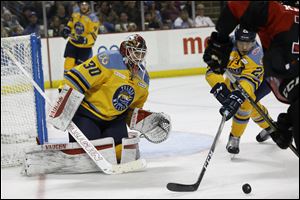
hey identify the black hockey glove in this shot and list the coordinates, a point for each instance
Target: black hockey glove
(232, 104)
(66, 32)
(79, 40)
(220, 91)
(216, 54)
(283, 135)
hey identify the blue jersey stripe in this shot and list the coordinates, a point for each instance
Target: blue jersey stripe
(75, 83)
(81, 78)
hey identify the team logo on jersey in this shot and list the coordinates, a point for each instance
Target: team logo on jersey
(79, 28)
(123, 97)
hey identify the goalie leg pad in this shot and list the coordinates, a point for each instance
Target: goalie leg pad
(68, 158)
(130, 149)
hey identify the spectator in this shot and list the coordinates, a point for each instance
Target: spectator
(56, 27)
(17, 30)
(169, 12)
(123, 25)
(106, 13)
(9, 20)
(33, 26)
(4, 31)
(24, 20)
(183, 21)
(151, 22)
(133, 11)
(201, 20)
(154, 11)
(62, 14)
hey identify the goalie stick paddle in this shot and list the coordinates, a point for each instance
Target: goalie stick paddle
(178, 187)
(236, 83)
(88, 147)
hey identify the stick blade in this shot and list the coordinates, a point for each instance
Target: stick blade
(177, 187)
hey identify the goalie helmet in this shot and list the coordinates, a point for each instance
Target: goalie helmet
(134, 49)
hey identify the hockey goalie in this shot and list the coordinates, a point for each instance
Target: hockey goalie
(102, 98)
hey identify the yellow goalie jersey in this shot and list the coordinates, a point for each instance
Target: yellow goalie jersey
(86, 26)
(248, 69)
(107, 85)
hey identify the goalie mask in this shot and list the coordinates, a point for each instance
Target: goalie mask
(134, 49)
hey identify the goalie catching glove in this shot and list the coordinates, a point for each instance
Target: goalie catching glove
(153, 126)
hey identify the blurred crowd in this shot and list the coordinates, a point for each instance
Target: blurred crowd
(25, 17)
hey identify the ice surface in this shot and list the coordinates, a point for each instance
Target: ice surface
(272, 173)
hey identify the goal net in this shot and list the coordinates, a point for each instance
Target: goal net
(22, 107)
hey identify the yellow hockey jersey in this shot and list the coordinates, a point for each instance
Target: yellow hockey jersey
(248, 69)
(86, 26)
(107, 85)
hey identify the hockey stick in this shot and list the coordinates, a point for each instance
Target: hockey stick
(236, 83)
(88, 147)
(177, 187)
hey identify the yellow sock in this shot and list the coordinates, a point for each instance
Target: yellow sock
(118, 152)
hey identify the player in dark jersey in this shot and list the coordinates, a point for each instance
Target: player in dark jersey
(278, 28)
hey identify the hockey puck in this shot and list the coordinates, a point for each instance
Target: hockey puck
(246, 188)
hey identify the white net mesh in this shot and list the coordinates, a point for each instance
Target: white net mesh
(18, 109)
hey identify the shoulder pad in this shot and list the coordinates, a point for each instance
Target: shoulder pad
(112, 60)
(256, 54)
(93, 17)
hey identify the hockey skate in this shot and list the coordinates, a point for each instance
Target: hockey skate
(264, 135)
(233, 144)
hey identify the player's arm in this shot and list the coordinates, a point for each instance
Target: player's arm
(93, 28)
(66, 32)
(87, 75)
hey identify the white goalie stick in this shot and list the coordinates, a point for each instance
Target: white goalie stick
(81, 139)
(236, 83)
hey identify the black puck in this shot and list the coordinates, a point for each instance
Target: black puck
(246, 188)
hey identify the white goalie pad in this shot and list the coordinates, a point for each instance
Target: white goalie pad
(155, 127)
(66, 158)
(130, 149)
(62, 112)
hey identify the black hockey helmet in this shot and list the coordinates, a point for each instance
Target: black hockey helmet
(243, 34)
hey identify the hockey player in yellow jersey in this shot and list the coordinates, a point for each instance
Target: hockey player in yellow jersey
(245, 63)
(115, 84)
(82, 30)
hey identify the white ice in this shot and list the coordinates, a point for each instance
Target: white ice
(272, 173)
